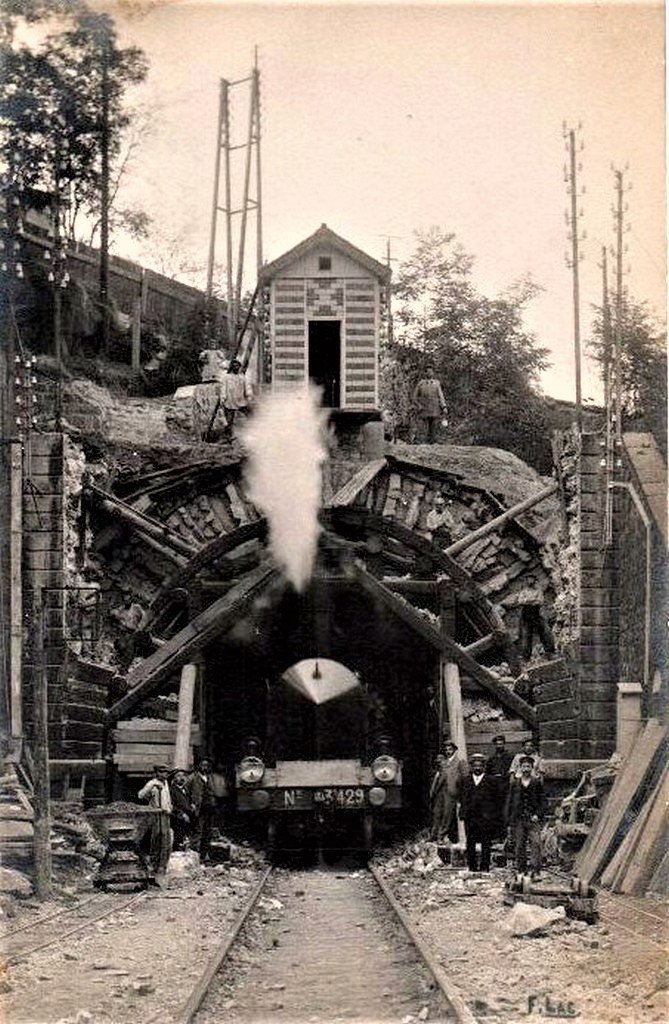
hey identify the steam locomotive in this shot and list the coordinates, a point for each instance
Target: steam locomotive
(318, 771)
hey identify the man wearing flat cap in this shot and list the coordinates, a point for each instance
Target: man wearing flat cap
(497, 768)
(479, 810)
(525, 810)
(157, 792)
(445, 791)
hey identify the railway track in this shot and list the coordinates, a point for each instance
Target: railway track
(20, 943)
(328, 946)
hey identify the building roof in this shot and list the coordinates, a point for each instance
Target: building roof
(321, 238)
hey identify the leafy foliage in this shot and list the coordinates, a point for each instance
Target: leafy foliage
(53, 94)
(487, 361)
(643, 366)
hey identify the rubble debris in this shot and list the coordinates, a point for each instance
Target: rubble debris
(526, 919)
(15, 883)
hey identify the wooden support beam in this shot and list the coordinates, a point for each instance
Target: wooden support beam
(15, 588)
(432, 635)
(481, 645)
(386, 527)
(399, 585)
(140, 521)
(347, 494)
(41, 776)
(181, 648)
(182, 749)
(501, 520)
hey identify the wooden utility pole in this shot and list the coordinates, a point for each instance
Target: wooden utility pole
(573, 262)
(104, 189)
(41, 777)
(606, 364)
(617, 371)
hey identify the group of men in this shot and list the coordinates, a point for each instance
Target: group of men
(185, 805)
(500, 798)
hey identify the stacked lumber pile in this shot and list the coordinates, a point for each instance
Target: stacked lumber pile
(143, 742)
(627, 847)
(16, 819)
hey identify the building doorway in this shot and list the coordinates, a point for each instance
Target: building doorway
(325, 359)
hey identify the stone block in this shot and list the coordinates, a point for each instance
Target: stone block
(563, 730)
(558, 689)
(556, 711)
(592, 692)
(560, 749)
(598, 654)
(548, 670)
(600, 730)
(598, 711)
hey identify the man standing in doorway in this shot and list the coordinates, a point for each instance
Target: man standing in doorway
(203, 800)
(430, 403)
(157, 792)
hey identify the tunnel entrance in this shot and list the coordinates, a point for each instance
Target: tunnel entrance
(334, 620)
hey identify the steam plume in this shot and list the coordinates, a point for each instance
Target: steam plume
(283, 475)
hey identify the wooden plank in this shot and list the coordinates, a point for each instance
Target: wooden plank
(121, 737)
(614, 872)
(179, 649)
(93, 768)
(158, 751)
(237, 506)
(517, 736)
(408, 614)
(347, 494)
(651, 843)
(596, 850)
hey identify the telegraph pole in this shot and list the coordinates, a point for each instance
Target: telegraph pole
(619, 224)
(104, 189)
(574, 259)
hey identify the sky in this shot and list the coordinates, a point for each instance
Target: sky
(387, 118)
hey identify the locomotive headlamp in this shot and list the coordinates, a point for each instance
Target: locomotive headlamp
(251, 770)
(384, 768)
(377, 796)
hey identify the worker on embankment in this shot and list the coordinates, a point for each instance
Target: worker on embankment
(430, 404)
(235, 394)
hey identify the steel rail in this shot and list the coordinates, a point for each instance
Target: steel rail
(448, 989)
(50, 917)
(22, 955)
(186, 1014)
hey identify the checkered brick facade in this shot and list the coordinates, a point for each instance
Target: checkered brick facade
(352, 301)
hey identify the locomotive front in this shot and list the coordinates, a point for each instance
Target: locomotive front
(318, 771)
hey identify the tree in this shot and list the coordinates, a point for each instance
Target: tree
(486, 359)
(51, 109)
(643, 365)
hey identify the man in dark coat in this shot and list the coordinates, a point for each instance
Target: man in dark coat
(479, 810)
(203, 799)
(497, 768)
(525, 810)
(182, 809)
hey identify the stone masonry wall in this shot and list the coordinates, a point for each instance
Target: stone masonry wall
(598, 650)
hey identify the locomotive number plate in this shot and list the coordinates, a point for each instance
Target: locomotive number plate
(340, 797)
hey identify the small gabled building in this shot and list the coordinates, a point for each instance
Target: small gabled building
(326, 308)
